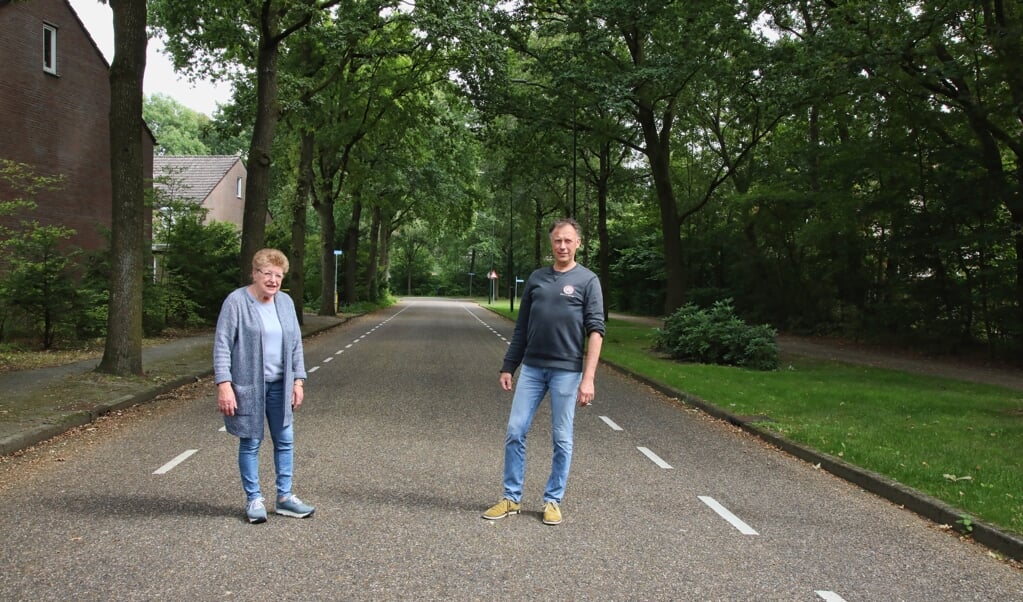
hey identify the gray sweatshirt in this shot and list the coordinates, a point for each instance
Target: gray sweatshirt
(558, 311)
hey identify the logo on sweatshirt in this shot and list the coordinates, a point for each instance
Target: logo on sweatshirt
(568, 290)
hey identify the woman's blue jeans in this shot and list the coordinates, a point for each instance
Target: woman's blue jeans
(532, 385)
(284, 447)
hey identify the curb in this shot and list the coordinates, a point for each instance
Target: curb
(922, 504)
(43, 432)
(28, 438)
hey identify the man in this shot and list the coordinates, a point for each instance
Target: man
(562, 310)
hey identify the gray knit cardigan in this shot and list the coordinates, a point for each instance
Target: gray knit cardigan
(238, 359)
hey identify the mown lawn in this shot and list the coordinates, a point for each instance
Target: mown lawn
(958, 442)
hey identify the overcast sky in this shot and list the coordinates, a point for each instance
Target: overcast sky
(160, 77)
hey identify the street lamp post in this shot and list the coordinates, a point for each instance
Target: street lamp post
(337, 305)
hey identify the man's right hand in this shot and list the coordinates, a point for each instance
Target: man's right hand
(506, 381)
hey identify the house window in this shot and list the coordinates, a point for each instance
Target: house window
(49, 48)
(238, 189)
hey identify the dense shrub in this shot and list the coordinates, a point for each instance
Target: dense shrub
(198, 264)
(38, 282)
(716, 335)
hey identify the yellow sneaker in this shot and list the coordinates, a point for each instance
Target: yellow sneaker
(551, 513)
(502, 509)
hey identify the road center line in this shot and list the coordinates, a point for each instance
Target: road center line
(829, 596)
(611, 423)
(314, 369)
(654, 457)
(181, 458)
(728, 516)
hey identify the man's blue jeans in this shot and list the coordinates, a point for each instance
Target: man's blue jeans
(532, 385)
(284, 447)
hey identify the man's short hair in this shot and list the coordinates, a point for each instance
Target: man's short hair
(565, 221)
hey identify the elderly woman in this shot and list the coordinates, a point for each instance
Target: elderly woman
(259, 369)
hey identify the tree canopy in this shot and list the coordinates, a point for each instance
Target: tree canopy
(852, 168)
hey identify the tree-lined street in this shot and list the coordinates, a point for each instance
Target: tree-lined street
(399, 446)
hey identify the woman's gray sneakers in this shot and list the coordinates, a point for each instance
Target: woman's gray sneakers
(294, 507)
(255, 511)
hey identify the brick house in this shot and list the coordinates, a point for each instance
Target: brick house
(215, 182)
(54, 115)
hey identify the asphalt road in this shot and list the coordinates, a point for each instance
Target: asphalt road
(399, 446)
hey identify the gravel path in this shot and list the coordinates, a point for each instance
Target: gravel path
(852, 353)
(946, 368)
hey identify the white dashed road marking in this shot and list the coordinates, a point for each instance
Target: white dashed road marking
(728, 516)
(349, 345)
(170, 465)
(654, 457)
(611, 423)
(829, 596)
(487, 326)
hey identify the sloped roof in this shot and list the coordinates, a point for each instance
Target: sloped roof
(190, 178)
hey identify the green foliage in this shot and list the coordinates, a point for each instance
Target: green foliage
(717, 336)
(91, 308)
(171, 304)
(38, 281)
(829, 178)
(178, 129)
(198, 265)
(638, 277)
(965, 525)
(94, 298)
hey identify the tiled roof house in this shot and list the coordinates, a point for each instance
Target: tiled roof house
(216, 182)
(54, 116)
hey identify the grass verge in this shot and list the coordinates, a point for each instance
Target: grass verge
(957, 442)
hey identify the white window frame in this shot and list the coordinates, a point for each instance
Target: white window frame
(238, 189)
(50, 48)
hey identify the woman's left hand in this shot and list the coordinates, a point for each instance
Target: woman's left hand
(297, 395)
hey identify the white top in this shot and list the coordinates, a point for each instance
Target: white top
(273, 342)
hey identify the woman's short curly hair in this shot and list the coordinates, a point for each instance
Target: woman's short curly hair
(267, 257)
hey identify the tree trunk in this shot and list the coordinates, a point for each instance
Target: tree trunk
(122, 354)
(371, 265)
(328, 273)
(298, 222)
(257, 185)
(351, 256)
(385, 254)
(658, 152)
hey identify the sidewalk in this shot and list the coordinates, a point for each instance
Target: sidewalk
(39, 404)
